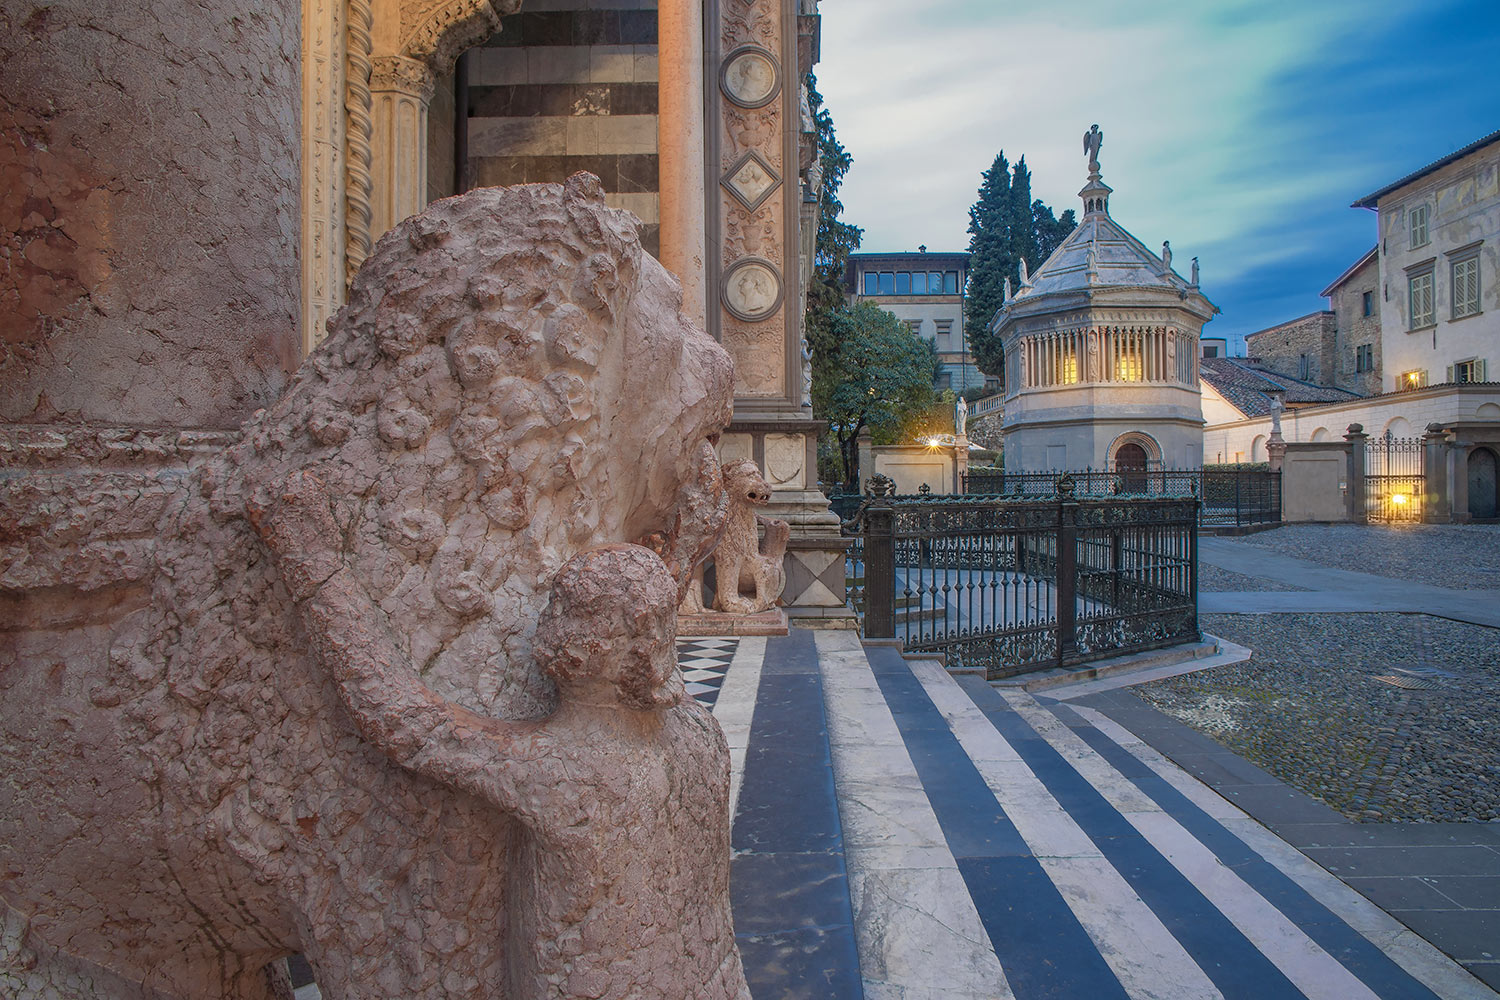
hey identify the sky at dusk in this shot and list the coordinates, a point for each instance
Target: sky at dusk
(1240, 131)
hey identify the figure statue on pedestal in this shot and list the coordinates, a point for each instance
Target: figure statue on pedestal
(961, 418)
(1092, 140)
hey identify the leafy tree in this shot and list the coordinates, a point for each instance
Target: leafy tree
(1005, 226)
(878, 376)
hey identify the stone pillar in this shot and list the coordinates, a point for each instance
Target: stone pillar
(1354, 484)
(867, 469)
(960, 462)
(1275, 450)
(150, 158)
(400, 92)
(324, 133)
(1437, 501)
(755, 58)
(1457, 463)
(680, 141)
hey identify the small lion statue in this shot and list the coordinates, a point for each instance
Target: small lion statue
(743, 563)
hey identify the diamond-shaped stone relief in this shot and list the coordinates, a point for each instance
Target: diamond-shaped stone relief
(751, 180)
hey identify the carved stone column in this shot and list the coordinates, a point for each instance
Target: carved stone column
(680, 139)
(323, 149)
(400, 92)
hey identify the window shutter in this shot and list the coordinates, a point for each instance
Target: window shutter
(1479, 371)
(1450, 374)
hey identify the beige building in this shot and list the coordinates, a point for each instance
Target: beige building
(1409, 350)
(1354, 299)
(1439, 254)
(1101, 354)
(925, 291)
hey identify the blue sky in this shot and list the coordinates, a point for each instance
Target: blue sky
(1240, 131)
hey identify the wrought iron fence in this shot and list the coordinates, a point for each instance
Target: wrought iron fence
(1230, 497)
(1395, 479)
(1014, 585)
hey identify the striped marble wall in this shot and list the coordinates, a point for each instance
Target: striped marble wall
(569, 85)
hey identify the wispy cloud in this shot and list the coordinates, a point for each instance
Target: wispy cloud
(1239, 130)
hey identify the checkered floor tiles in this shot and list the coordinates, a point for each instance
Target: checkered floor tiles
(703, 663)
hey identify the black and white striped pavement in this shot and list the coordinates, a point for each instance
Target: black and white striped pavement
(902, 833)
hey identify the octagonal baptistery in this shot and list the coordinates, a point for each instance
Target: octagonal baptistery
(1101, 354)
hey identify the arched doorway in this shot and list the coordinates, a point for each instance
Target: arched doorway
(1130, 464)
(1483, 498)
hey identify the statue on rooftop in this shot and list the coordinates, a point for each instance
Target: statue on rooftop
(1166, 254)
(1092, 140)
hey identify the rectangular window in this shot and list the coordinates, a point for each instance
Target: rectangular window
(1211, 352)
(1417, 220)
(950, 283)
(1468, 371)
(1364, 358)
(1414, 379)
(1304, 366)
(1466, 287)
(872, 283)
(915, 326)
(944, 327)
(919, 282)
(1369, 303)
(1419, 295)
(935, 283)
(887, 283)
(903, 282)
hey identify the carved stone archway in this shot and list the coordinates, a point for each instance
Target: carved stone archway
(369, 67)
(1144, 441)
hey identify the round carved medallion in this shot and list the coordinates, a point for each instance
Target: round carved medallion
(751, 289)
(750, 76)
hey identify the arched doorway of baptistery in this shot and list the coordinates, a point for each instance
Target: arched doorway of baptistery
(1130, 465)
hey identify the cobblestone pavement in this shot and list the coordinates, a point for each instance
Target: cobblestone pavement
(1456, 556)
(1212, 579)
(1385, 717)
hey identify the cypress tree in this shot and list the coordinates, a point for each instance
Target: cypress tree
(991, 261)
(1005, 225)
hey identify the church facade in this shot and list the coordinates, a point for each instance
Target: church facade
(201, 187)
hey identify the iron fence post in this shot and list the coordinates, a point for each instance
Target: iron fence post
(880, 570)
(1067, 582)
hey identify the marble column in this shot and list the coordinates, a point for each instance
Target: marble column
(400, 92)
(680, 144)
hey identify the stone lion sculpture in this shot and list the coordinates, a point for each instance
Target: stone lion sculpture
(208, 767)
(741, 562)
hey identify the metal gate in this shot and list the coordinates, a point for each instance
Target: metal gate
(1394, 479)
(1020, 584)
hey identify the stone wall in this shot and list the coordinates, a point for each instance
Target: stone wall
(149, 184)
(1282, 348)
(571, 85)
(1355, 329)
